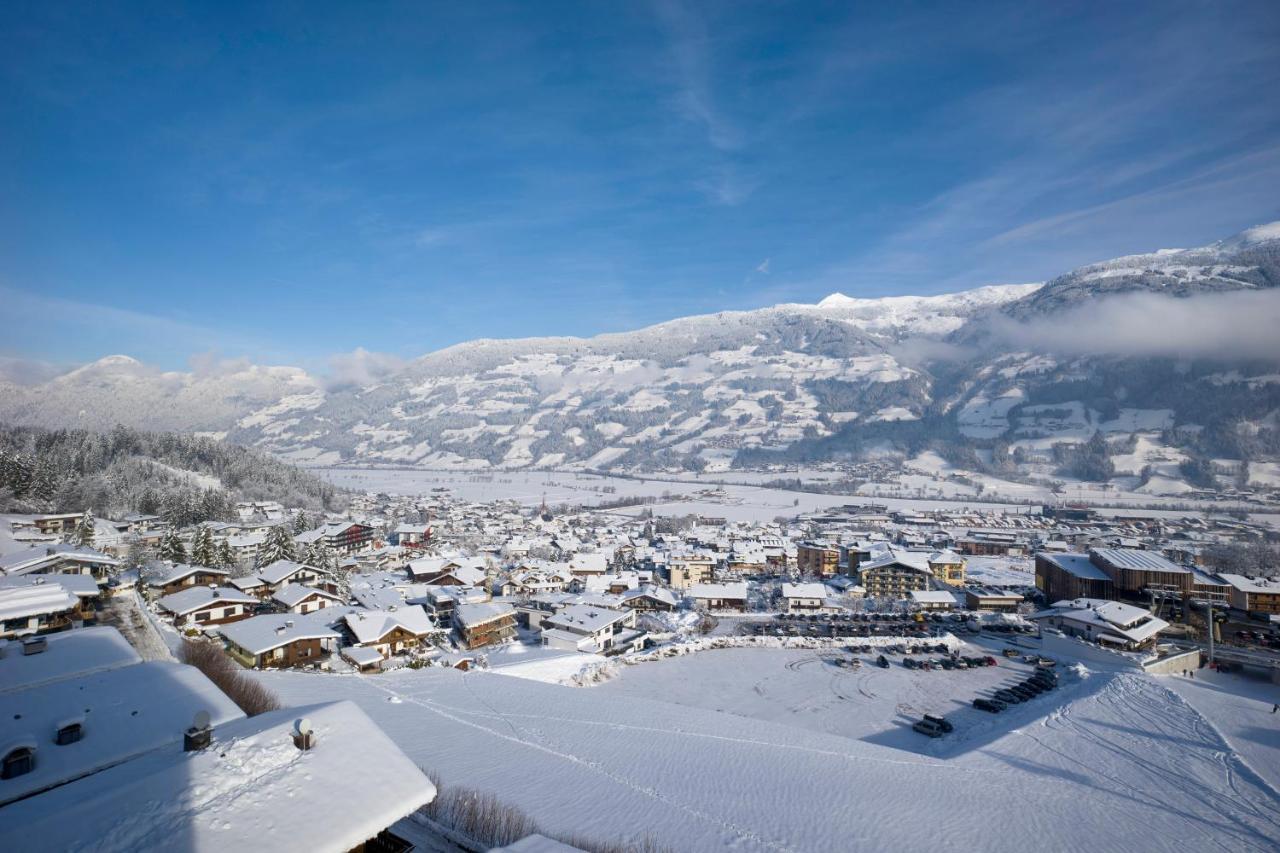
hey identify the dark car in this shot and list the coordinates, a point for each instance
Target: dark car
(991, 706)
(1008, 697)
(939, 721)
(1022, 692)
(882, 661)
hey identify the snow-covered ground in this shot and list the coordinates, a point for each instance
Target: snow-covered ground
(777, 749)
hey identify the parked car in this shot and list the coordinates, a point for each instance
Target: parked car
(882, 661)
(1008, 697)
(940, 721)
(925, 727)
(991, 706)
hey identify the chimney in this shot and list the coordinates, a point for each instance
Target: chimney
(288, 623)
(200, 735)
(34, 645)
(304, 737)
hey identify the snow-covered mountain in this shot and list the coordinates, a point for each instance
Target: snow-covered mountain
(816, 379)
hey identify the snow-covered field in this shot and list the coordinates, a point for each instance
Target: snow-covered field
(774, 749)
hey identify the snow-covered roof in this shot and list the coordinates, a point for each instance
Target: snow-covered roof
(655, 592)
(260, 634)
(22, 602)
(196, 597)
(804, 590)
(83, 586)
(251, 785)
(892, 556)
(583, 617)
(282, 570)
(129, 710)
(469, 615)
(1143, 561)
(1077, 565)
(178, 571)
(247, 582)
(719, 590)
(67, 654)
(370, 626)
(377, 598)
(1134, 624)
(536, 844)
(292, 594)
(1254, 585)
(932, 596)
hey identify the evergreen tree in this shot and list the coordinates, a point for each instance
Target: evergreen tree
(319, 556)
(301, 522)
(203, 551)
(85, 529)
(171, 547)
(279, 546)
(224, 559)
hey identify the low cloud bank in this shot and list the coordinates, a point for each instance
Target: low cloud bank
(1241, 324)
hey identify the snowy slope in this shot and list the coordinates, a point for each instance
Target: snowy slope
(1112, 762)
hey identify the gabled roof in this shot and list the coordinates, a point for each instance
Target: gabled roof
(913, 560)
(260, 634)
(804, 590)
(470, 615)
(196, 597)
(282, 570)
(370, 626)
(293, 594)
(179, 571)
(719, 590)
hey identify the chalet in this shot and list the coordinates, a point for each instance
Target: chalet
(1254, 595)
(719, 596)
(1110, 623)
(363, 659)
(457, 576)
(60, 560)
(413, 535)
(817, 558)
(174, 578)
(991, 600)
(390, 632)
(932, 599)
(584, 628)
(40, 604)
(63, 522)
(244, 546)
(208, 605)
(283, 572)
(895, 574)
(252, 585)
(300, 599)
(586, 565)
(803, 597)
(648, 598)
(277, 640)
(441, 601)
(747, 558)
(484, 624)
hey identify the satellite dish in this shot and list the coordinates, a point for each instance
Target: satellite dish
(304, 726)
(202, 720)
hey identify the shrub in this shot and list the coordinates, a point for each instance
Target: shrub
(251, 696)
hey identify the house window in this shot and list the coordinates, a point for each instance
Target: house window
(202, 617)
(18, 761)
(228, 612)
(69, 734)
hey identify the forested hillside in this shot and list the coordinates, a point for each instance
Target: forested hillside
(182, 477)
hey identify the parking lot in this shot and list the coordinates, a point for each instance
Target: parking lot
(830, 625)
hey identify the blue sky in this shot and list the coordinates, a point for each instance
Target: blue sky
(289, 181)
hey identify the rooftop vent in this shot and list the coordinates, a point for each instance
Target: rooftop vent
(200, 735)
(303, 735)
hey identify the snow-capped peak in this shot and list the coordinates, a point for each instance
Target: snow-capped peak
(1252, 236)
